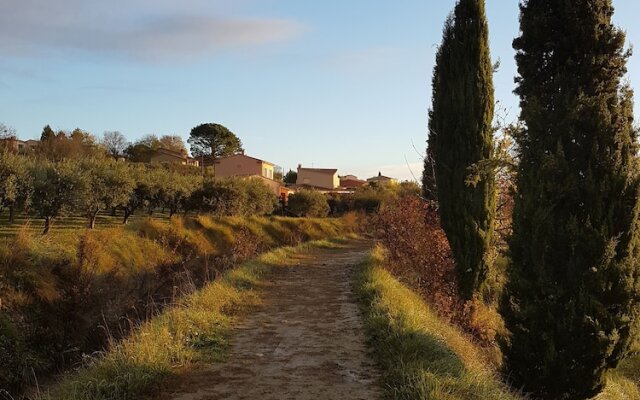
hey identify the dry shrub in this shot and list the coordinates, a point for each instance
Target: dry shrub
(418, 251)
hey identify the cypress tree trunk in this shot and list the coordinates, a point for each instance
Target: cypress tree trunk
(461, 135)
(12, 214)
(574, 291)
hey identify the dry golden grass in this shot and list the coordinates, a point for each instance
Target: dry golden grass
(195, 329)
(57, 291)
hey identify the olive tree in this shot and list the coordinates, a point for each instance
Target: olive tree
(110, 185)
(59, 188)
(16, 185)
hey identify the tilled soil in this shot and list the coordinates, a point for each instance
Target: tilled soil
(305, 342)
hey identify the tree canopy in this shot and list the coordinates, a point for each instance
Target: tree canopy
(115, 143)
(214, 140)
(460, 136)
(573, 292)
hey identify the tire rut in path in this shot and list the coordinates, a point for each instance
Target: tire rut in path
(306, 341)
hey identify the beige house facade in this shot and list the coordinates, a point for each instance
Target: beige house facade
(321, 178)
(243, 165)
(246, 167)
(166, 156)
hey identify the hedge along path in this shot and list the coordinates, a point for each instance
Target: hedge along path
(306, 341)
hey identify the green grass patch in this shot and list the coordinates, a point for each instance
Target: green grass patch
(421, 356)
(424, 357)
(194, 330)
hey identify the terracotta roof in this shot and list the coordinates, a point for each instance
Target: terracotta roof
(244, 155)
(321, 170)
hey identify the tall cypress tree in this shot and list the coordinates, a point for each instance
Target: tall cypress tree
(574, 289)
(460, 135)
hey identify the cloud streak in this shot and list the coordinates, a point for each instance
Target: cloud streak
(137, 29)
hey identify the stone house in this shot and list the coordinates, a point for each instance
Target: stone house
(319, 178)
(243, 165)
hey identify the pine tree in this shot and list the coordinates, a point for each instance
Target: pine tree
(574, 288)
(460, 135)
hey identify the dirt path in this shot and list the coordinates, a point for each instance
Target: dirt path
(305, 342)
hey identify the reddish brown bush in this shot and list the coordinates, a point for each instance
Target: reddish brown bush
(418, 253)
(418, 250)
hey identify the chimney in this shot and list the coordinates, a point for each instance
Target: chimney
(299, 166)
(379, 174)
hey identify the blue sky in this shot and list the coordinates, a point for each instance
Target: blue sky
(341, 84)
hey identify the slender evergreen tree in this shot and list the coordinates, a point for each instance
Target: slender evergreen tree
(574, 289)
(429, 187)
(460, 135)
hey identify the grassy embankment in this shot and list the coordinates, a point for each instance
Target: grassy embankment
(423, 357)
(70, 293)
(196, 329)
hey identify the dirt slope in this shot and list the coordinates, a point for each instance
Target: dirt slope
(305, 342)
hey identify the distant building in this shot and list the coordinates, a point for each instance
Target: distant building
(381, 179)
(16, 146)
(351, 182)
(246, 167)
(27, 146)
(243, 165)
(166, 156)
(320, 178)
(9, 144)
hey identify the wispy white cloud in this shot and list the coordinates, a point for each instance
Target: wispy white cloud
(139, 29)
